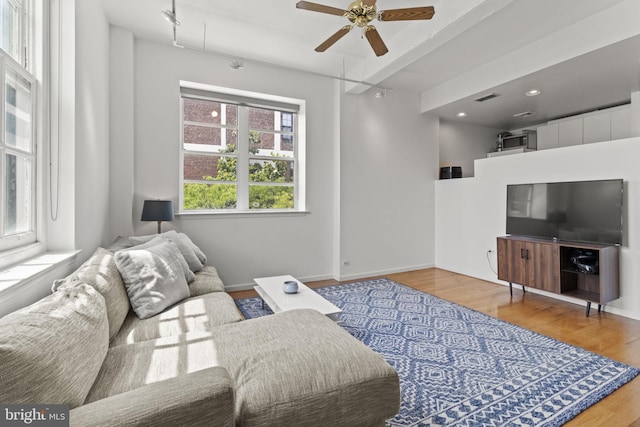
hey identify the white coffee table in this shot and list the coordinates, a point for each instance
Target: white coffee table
(270, 290)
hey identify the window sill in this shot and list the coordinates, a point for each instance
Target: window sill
(18, 275)
(245, 214)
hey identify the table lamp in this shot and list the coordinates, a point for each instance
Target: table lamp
(157, 210)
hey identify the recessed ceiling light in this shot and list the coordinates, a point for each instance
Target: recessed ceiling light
(532, 92)
(461, 114)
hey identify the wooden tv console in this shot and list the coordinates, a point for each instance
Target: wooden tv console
(546, 265)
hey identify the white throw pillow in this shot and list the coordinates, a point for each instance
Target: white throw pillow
(155, 276)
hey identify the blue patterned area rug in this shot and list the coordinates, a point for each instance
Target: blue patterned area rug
(459, 367)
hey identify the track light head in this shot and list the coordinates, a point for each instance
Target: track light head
(170, 16)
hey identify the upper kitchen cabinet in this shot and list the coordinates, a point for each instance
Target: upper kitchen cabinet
(598, 126)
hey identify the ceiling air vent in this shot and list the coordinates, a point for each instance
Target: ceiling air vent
(487, 97)
(524, 114)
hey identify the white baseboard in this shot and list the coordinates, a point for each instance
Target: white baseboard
(247, 286)
(341, 278)
(365, 274)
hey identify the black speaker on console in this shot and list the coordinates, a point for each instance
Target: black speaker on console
(448, 172)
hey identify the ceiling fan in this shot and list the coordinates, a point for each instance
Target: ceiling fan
(360, 13)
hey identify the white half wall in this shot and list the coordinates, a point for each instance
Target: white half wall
(461, 144)
(389, 159)
(471, 212)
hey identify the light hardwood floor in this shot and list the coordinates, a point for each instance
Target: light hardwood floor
(603, 333)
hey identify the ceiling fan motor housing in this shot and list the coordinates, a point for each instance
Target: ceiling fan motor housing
(360, 14)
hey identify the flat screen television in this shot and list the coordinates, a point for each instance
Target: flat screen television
(580, 211)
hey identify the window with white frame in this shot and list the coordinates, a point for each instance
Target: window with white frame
(17, 127)
(239, 153)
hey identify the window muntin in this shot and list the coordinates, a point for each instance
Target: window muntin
(17, 147)
(237, 157)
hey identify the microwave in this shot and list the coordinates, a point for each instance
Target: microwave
(528, 139)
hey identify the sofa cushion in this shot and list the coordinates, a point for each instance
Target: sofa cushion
(100, 272)
(52, 350)
(154, 275)
(292, 368)
(300, 368)
(206, 281)
(200, 313)
(200, 399)
(129, 367)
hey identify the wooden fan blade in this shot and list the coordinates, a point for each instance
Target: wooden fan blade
(409, 14)
(334, 38)
(368, 2)
(375, 41)
(315, 7)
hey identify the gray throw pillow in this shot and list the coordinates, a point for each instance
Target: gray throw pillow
(52, 350)
(154, 275)
(185, 249)
(201, 256)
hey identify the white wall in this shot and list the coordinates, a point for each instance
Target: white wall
(461, 144)
(122, 131)
(389, 159)
(470, 213)
(369, 186)
(91, 127)
(240, 247)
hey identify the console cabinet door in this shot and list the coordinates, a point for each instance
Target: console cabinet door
(512, 263)
(544, 267)
(530, 264)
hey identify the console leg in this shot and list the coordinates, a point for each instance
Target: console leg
(523, 289)
(510, 289)
(599, 308)
(588, 307)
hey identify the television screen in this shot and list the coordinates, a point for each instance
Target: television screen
(582, 211)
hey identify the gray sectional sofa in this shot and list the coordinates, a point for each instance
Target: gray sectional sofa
(196, 362)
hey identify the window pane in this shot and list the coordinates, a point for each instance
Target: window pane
(201, 111)
(271, 144)
(270, 197)
(270, 171)
(18, 111)
(209, 196)
(210, 168)
(262, 119)
(11, 29)
(18, 201)
(210, 139)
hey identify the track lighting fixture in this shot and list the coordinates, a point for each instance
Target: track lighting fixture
(170, 15)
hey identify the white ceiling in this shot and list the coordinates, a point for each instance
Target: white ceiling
(462, 35)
